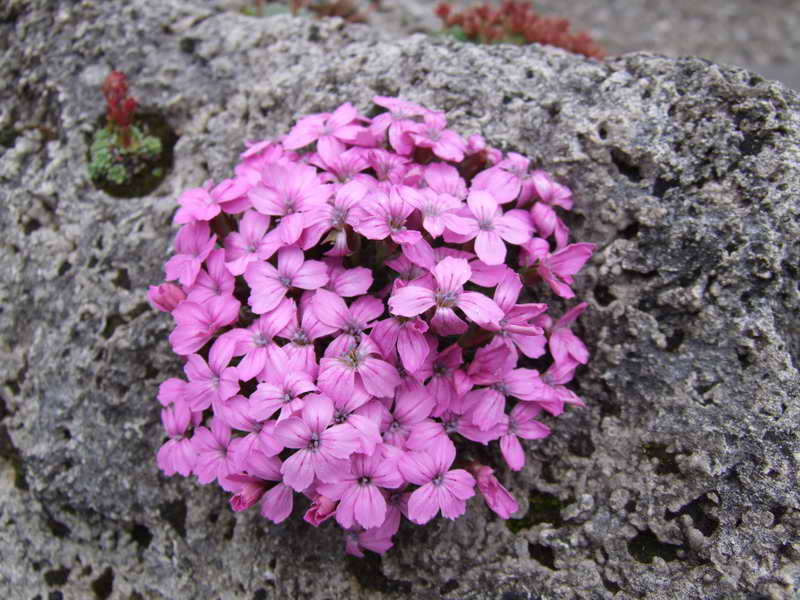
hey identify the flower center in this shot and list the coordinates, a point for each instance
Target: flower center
(446, 299)
(397, 224)
(313, 443)
(300, 338)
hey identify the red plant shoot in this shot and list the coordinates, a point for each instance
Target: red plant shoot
(516, 22)
(120, 107)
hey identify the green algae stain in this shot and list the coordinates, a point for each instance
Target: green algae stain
(544, 508)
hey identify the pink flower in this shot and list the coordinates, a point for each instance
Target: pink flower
(334, 216)
(213, 460)
(446, 382)
(213, 281)
(177, 455)
(411, 407)
(282, 390)
(193, 244)
(565, 345)
(165, 297)
(212, 382)
(521, 423)
(557, 269)
(488, 226)
(444, 143)
(257, 343)
(502, 184)
(197, 323)
(349, 322)
(404, 336)
(438, 211)
(322, 508)
(359, 366)
(360, 499)
(440, 488)
(400, 120)
(548, 223)
(355, 410)
(346, 380)
(321, 449)
(496, 496)
(388, 166)
(250, 243)
(289, 191)
(377, 539)
(384, 215)
(348, 282)
(203, 204)
(451, 274)
(326, 127)
(276, 501)
(552, 394)
(301, 335)
(516, 328)
(543, 186)
(261, 470)
(240, 413)
(341, 165)
(269, 285)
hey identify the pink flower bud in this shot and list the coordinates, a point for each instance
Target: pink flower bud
(250, 493)
(165, 297)
(497, 497)
(321, 509)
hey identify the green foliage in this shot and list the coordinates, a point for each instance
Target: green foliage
(543, 508)
(110, 161)
(456, 32)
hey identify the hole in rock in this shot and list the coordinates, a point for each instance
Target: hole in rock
(141, 535)
(121, 279)
(544, 555)
(56, 576)
(625, 166)
(369, 575)
(630, 232)
(174, 513)
(701, 521)
(661, 186)
(675, 340)
(31, 225)
(645, 546)
(104, 585)
(57, 528)
(666, 463)
(581, 445)
(112, 323)
(603, 295)
(543, 508)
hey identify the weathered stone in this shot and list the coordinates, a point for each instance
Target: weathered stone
(679, 478)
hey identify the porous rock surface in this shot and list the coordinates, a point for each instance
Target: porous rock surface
(678, 479)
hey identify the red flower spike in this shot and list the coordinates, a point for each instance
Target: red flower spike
(119, 106)
(514, 19)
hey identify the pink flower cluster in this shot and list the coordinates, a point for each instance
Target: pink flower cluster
(355, 313)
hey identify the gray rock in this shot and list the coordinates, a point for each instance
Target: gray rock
(679, 478)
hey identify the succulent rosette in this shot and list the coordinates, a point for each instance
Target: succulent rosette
(356, 309)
